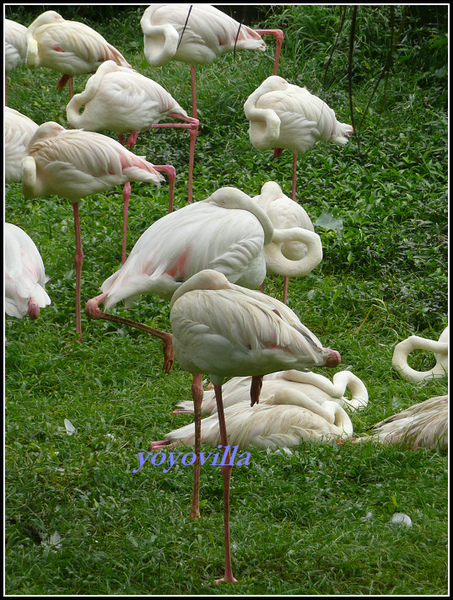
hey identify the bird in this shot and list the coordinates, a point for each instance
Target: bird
(74, 164)
(314, 385)
(284, 214)
(69, 47)
(122, 100)
(15, 46)
(226, 330)
(228, 232)
(25, 276)
(286, 418)
(197, 34)
(414, 342)
(282, 115)
(19, 130)
(422, 425)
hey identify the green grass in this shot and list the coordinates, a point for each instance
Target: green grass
(78, 520)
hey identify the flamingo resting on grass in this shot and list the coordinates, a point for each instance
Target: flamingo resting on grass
(228, 232)
(122, 100)
(68, 47)
(283, 115)
(19, 129)
(225, 330)
(415, 342)
(74, 164)
(25, 276)
(197, 34)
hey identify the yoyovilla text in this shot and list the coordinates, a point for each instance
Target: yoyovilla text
(160, 458)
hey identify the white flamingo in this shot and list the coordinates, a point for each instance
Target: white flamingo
(197, 34)
(228, 232)
(286, 418)
(74, 164)
(283, 115)
(69, 47)
(421, 425)
(15, 46)
(415, 342)
(19, 129)
(25, 276)
(225, 330)
(121, 100)
(317, 387)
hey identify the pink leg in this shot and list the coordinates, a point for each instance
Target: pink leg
(278, 34)
(197, 395)
(171, 174)
(78, 260)
(226, 476)
(126, 196)
(285, 289)
(70, 87)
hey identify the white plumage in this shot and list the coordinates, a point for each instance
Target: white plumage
(74, 164)
(421, 425)
(228, 232)
(439, 348)
(25, 276)
(19, 130)
(15, 44)
(69, 47)
(282, 115)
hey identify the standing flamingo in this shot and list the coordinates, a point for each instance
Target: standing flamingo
(15, 46)
(225, 330)
(228, 232)
(284, 213)
(19, 130)
(75, 164)
(197, 34)
(415, 342)
(25, 277)
(124, 101)
(283, 115)
(69, 47)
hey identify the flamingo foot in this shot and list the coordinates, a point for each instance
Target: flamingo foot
(160, 444)
(33, 309)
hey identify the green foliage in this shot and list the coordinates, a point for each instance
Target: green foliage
(315, 521)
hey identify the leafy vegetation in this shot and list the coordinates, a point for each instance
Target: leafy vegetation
(316, 521)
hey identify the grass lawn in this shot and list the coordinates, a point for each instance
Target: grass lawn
(78, 520)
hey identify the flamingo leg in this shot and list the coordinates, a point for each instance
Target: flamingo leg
(226, 476)
(170, 171)
(278, 34)
(78, 260)
(285, 289)
(197, 395)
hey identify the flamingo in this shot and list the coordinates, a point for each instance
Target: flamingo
(284, 419)
(19, 130)
(122, 100)
(68, 47)
(197, 34)
(283, 213)
(414, 342)
(421, 425)
(283, 115)
(15, 46)
(75, 164)
(25, 276)
(228, 232)
(225, 330)
(317, 387)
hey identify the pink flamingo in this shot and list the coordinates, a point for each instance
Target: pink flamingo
(121, 100)
(75, 164)
(15, 46)
(69, 47)
(197, 34)
(19, 129)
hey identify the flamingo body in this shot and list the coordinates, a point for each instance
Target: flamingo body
(438, 347)
(25, 276)
(19, 129)
(15, 44)
(226, 330)
(121, 100)
(421, 425)
(171, 33)
(68, 47)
